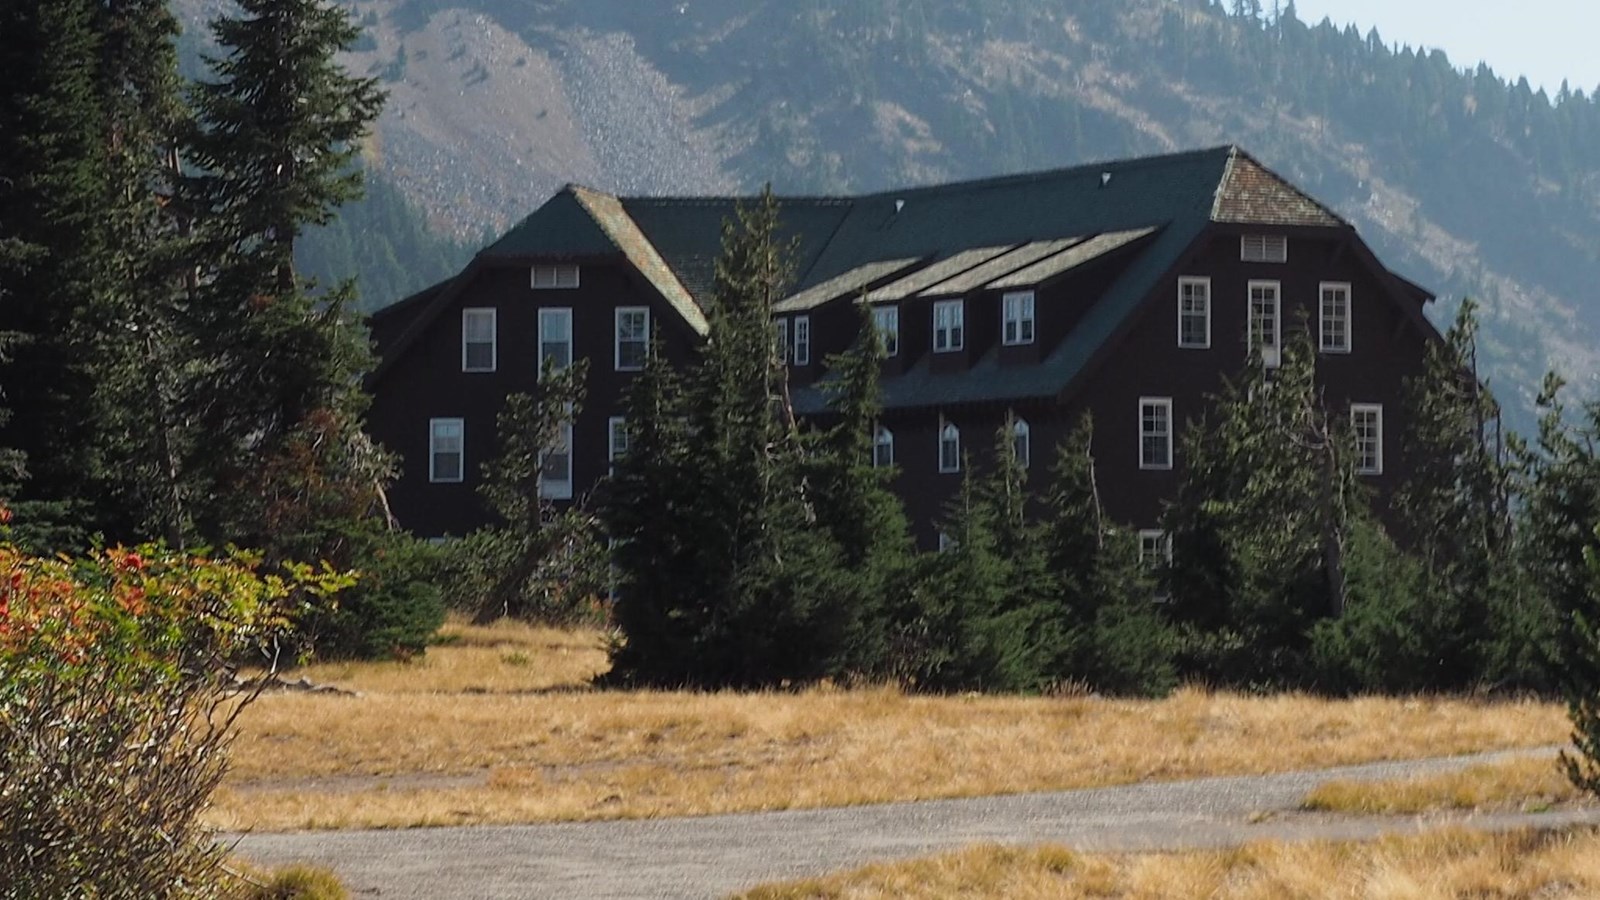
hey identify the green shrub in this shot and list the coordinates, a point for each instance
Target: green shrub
(393, 609)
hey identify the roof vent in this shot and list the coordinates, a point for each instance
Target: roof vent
(899, 205)
(1105, 178)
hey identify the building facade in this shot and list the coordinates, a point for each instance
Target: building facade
(1127, 289)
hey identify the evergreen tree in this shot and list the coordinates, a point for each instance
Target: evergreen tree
(767, 602)
(1260, 524)
(960, 600)
(52, 182)
(1117, 641)
(1580, 678)
(278, 387)
(541, 561)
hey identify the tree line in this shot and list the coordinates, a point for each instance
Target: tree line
(169, 372)
(753, 550)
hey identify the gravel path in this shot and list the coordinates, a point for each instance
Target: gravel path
(714, 855)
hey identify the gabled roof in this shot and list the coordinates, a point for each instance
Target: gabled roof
(992, 234)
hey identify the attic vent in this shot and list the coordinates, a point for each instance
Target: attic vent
(899, 205)
(552, 277)
(1267, 248)
(1105, 178)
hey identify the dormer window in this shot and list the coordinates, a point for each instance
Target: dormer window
(555, 277)
(949, 331)
(1264, 248)
(886, 319)
(1017, 318)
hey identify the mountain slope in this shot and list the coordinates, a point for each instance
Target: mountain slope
(1459, 180)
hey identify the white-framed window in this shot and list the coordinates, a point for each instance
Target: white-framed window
(446, 450)
(946, 542)
(802, 340)
(887, 321)
(1155, 549)
(780, 339)
(633, 338)
(1155, 432)
(479, 344)
(1266, 322)
(1366, 421)
(949, 448)
(949, 331)
(555, 467)
(1194, 313)
(1021, 442)
(1265, 248)
(1333, 335)
(1016, 318)
(560, 276)
(882, 447)
(617, 442)
(555, 338)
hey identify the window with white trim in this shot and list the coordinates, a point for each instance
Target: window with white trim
(949, 448)
(616, 441)
(478, 340)
(1155, 549)
(882, 447)
(446, 450)
(1334, 332)
(1266, 322)
(780, 339)
(1016, 318)
(555, 277)
(946, 542)
(886, 319)
(1155, 432)
(633, 338)
(1366, 421)
(1264, 248)
(1194, 313)
(949, 333)
(555, 338)
(802, 340)
(1021, 442)
(555, 467)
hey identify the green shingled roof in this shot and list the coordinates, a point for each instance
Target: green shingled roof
(997, 233)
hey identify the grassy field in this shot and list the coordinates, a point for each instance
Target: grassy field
(1521, 785)
(498, 726)
(1446, 863)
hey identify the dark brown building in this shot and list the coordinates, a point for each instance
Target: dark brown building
(1129, 289)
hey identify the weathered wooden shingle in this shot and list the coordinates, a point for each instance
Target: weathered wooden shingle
(1253, 194)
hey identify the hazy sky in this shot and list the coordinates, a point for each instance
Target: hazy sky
(1546, 40)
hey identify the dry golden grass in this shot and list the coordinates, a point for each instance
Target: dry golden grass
(1446, 863)
(1521, 784)
(497, 727)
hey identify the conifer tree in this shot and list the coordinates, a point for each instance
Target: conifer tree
(277, 390)
(960, 601)
(1580, 677)
(1116, 640)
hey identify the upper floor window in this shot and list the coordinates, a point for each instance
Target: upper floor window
(1021, 442)
(1334, 333)
(1194, 313)
(478, 350)
(555, 338)
(1155, 549)
(554, 277)
(1266, 325)
(882, 447)
(1155, 432)
(555, 473)
(949, 332)
(446, 450)
(1366, 420)
(617, 448)
(886, 319)
(633, 338)
(780, 339)
(802, 340)
(1017, 318)
(949, 448)
(1266, 248)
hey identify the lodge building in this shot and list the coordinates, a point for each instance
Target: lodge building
(1129, 289)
